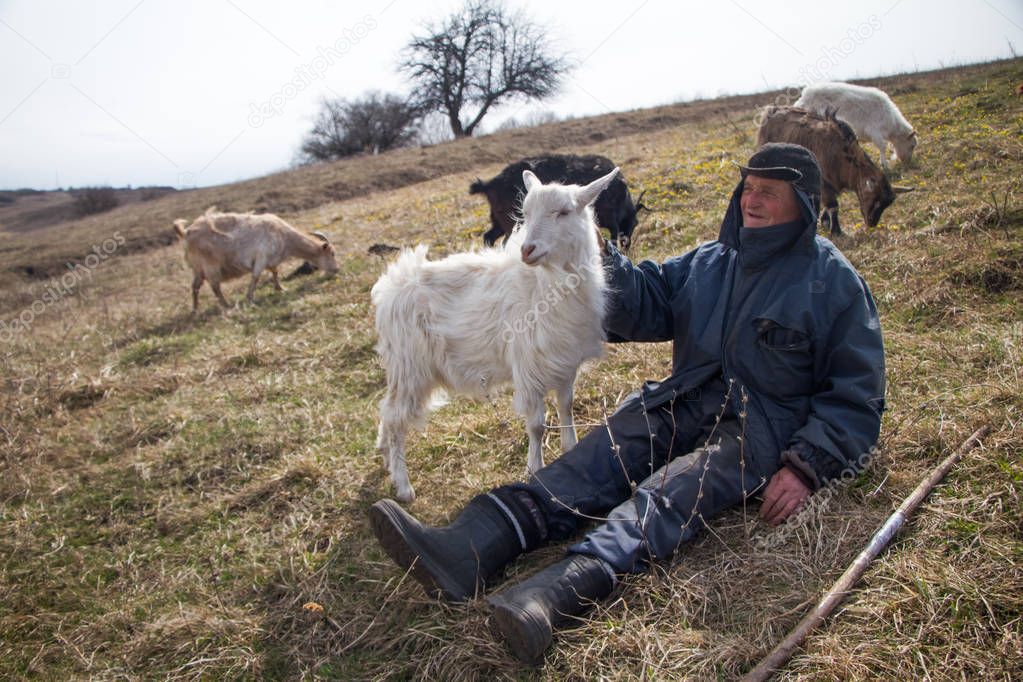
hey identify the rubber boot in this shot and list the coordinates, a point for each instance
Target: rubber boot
(453, 562)
(526, 614)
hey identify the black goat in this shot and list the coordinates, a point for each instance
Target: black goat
(614, 209)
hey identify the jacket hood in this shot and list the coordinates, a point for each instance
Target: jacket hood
(756, 251)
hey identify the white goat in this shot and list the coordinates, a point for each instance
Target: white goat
(474, 321)
(870, 112)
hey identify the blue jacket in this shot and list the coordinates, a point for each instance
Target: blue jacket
(781, 314)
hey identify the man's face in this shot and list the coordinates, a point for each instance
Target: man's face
(767, 202)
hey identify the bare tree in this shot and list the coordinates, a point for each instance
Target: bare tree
(478, 57)
(375, 123)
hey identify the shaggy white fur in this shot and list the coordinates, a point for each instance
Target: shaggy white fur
(870, 112)
(474, 321)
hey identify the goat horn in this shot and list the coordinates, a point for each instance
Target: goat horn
(902, 190)
(640, 206)
(321, 236)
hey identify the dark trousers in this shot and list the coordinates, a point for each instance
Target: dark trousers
(648, 479)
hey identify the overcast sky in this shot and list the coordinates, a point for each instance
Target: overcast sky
(202, 92)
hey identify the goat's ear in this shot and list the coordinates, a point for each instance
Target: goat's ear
(588, 194)
(530, 180)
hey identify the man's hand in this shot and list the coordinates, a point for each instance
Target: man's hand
(784, 494)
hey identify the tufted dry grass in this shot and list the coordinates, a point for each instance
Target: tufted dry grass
(186, 498)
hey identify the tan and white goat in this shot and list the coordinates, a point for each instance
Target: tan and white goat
(223, 246)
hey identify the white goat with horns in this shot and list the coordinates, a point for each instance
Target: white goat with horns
(474, 321)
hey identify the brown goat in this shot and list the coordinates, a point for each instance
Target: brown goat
(844, 164)
(223, 246)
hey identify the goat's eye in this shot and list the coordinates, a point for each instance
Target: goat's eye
(561, 213)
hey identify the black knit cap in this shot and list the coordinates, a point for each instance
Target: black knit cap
(784, 161)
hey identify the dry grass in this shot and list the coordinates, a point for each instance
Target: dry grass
(177, 492)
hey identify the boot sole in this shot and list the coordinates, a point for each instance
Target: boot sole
(527, 636)
(387, 525)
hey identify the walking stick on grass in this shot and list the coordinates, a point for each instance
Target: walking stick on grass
(780, 655)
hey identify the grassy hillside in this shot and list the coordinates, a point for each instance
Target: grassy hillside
(44, 252)
(29, 210)
(175, 490)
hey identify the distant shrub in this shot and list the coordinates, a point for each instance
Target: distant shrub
(373, 124)
(91, 200)
(530, 120)
(150, 193)
(433, 129)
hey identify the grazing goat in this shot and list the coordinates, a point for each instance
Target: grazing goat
(870, 112)
(222, 246)
(614, 208)
(844, 165)
(474, 321)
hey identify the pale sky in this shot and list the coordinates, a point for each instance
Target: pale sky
(202, 92)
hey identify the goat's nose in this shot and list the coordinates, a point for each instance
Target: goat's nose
(527, 251)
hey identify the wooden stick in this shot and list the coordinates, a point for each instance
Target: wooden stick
(780, 655)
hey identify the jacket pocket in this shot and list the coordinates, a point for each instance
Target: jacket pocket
(783, 359)
(772, 335)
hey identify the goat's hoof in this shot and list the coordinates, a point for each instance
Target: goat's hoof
(406, 496)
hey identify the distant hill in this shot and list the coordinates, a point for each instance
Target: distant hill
(25, 210)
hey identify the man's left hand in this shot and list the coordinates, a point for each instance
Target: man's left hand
(784, 494)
